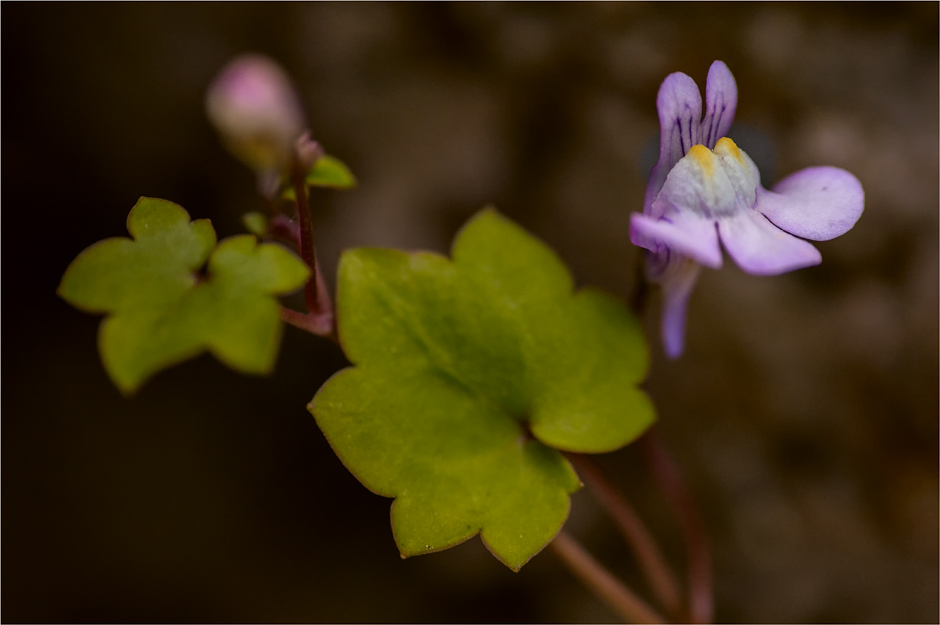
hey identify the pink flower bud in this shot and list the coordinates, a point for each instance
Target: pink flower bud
(255, 109)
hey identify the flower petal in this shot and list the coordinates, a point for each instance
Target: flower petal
(683, 232)
(760, 248)
(677, 286)
(680, 108)
(721, 100)
(818, 203)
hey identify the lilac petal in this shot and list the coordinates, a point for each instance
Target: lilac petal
(721, 100)
(760, 248)
(680, 108)
(683, 232)
(677, 286)
(818, 203)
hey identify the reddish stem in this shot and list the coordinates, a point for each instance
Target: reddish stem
(667, 474)
(317, 299)
(321, 325)
(658, 573)
(599, 580)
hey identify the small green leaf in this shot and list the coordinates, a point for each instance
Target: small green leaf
(327, 171)
(255, 223)
(161, 311)
(470, 376)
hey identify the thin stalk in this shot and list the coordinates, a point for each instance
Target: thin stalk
(317, 299)
(602, 583)
(659, 574)
(667, 474)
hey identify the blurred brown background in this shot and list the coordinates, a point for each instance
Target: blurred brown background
(804, 412)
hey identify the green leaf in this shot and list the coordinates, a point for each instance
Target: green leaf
(161, 311)
(255, 223)
(470, 376)
(327, 171)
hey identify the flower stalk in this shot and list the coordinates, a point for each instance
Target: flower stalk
(602, 582)
(659, 574)
(667, 474)
(319, 318)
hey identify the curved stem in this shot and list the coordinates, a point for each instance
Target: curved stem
(666, 472)
(597, 578)
(659, 574)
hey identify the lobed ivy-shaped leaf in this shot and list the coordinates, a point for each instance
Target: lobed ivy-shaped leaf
(161, 310)
(470, 377)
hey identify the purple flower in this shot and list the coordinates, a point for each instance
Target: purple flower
(705, 189)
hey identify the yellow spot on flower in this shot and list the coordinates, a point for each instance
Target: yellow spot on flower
(727, 147)
(704, 158)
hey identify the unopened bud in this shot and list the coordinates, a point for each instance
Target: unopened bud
(308, 151)
(255, 109)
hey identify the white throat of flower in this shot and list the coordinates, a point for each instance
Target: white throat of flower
(710, 183)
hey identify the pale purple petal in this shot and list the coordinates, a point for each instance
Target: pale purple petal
(721, 99)
(818, 203)
(761, 248)
(683, 232)
(677, 285)
(680, 108)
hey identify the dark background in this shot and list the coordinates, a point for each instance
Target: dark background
(804, 411)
